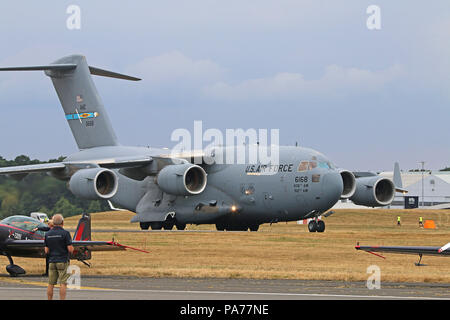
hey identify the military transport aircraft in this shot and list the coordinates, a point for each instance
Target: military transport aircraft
(22, 236)
(443, 251)
(166, 190)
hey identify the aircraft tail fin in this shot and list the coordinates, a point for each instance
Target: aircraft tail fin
(83, 108)
(83, 231)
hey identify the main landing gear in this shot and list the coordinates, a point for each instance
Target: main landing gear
(316, 226)
(418, 264)
(166, 225)
(13, 269)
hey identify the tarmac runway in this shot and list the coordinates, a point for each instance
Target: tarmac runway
(140, 288)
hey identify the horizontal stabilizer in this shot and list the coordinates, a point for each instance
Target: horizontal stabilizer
(106, 73)
(71, 66)
(72, 78)
(62, 67)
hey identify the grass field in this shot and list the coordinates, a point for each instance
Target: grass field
(277, 251)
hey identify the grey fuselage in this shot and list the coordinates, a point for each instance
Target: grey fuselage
(235, 193)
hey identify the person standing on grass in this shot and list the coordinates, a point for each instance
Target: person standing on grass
(58, 247)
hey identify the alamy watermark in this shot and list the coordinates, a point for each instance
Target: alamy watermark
(236, 146)
(73, 22)
(374, 280)
(373, 22)
(74, 281)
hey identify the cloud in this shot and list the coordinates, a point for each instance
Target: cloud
(337, 82)
(207, 80)
(32, 87)
(174, 68)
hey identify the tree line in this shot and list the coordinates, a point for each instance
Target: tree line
(38, 192)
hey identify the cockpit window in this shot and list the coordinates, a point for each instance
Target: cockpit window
(303, 166)
(306, 165)
(324, 165)
(21, 222)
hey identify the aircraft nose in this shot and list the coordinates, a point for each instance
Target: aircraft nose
(332, 187)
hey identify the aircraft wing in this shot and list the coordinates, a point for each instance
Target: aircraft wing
(32, 168)
(35, 248)
(397, 183)
(135, 167)
(439, 251)
(114, 163)
(103, 246)
(68, 167)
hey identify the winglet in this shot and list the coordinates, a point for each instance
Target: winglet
(397, 178)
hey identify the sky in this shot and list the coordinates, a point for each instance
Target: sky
(311, 69)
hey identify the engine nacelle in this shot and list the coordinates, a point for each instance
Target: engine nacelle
(348, 179)
(373, 191)
(94, 183)
(182, 179)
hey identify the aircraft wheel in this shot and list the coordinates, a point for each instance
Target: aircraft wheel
(180, 226)
(144, 225)
(156, 225)
(220, 227)
(236, 228)
(254, 227)
(320, 226)
(168, 226)
(14, 270)
(312, 226)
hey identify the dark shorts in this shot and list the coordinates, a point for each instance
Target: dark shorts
(57, 272)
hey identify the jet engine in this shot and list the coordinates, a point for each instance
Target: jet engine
(373, 191)
(182, 179)
(94, 183)
(349, 182)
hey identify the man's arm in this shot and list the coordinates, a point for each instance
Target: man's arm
(41, 228)
(46, 249)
